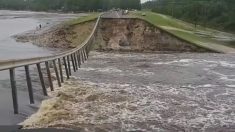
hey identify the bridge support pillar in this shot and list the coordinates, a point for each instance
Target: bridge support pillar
(14, 91)
(66, 67)
(41, 79)
(29, 84)
(61, 71)
(56, 73)
(49, 76)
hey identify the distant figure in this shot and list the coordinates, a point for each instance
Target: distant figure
(40, 26)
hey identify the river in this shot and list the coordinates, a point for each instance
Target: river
(155, 92)
(168, 92)
(13, 23)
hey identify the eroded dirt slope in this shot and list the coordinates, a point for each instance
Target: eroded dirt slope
(61, 36)
(138, 35)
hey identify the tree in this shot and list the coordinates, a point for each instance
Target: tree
(69, 5)
(213, 13)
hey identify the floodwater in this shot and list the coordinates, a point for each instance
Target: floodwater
(13, 23)
(157, 92)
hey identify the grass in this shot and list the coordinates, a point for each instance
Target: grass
(89, 17)
(81, 32)
(81, 28)
(188, 32)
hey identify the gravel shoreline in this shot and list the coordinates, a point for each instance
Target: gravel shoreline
(52, 33)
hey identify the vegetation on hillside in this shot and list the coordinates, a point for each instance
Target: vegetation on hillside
(203, 37)
(208, 13)
(69, 5)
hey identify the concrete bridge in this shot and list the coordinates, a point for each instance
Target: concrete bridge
(72, 60)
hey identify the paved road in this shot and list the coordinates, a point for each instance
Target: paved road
(157, 92)
(154, 92)
(114, 14)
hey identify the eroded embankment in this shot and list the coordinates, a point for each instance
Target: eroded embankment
(143, 92)
(138, 35)
(61, 36)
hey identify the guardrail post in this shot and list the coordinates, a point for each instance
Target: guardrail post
(49, 76)
(85, 53)
(61, 71)
(29, 84)
(82, 57)
(86, 49)
(66, 67)
(90, 45)
(41, 79)
(69, 66)
(79, 59)
(56, 73)
(75, 60)
(14, 90)
(74, 69)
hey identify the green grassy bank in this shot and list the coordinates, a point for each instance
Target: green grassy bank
(204, 37)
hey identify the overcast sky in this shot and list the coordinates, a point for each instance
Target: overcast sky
(142, 1)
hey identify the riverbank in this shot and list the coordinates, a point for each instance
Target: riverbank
(204, 37)
(144, 92)
(64, 36)
(22, 23)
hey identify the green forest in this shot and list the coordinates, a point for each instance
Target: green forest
(218, 14)
(69, 5)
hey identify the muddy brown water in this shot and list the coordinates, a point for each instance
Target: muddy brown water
(14, 23)
(170, 92)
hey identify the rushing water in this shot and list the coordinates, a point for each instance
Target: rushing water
(13, 23)
(177, 92)
(157, 92)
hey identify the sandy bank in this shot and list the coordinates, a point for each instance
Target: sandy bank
(58, 36)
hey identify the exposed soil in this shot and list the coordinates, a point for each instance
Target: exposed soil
(138, 35)
(60, 36)
(117, 35)
(141, 92)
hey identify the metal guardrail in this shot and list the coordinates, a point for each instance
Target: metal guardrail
(77, 56)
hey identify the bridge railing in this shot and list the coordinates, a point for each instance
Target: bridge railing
(72, 58)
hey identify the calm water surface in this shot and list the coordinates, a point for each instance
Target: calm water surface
(12, 23)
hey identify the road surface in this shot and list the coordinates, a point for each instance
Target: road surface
(114, 14)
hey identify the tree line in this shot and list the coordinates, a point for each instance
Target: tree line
(69, 5)
(212, 13)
